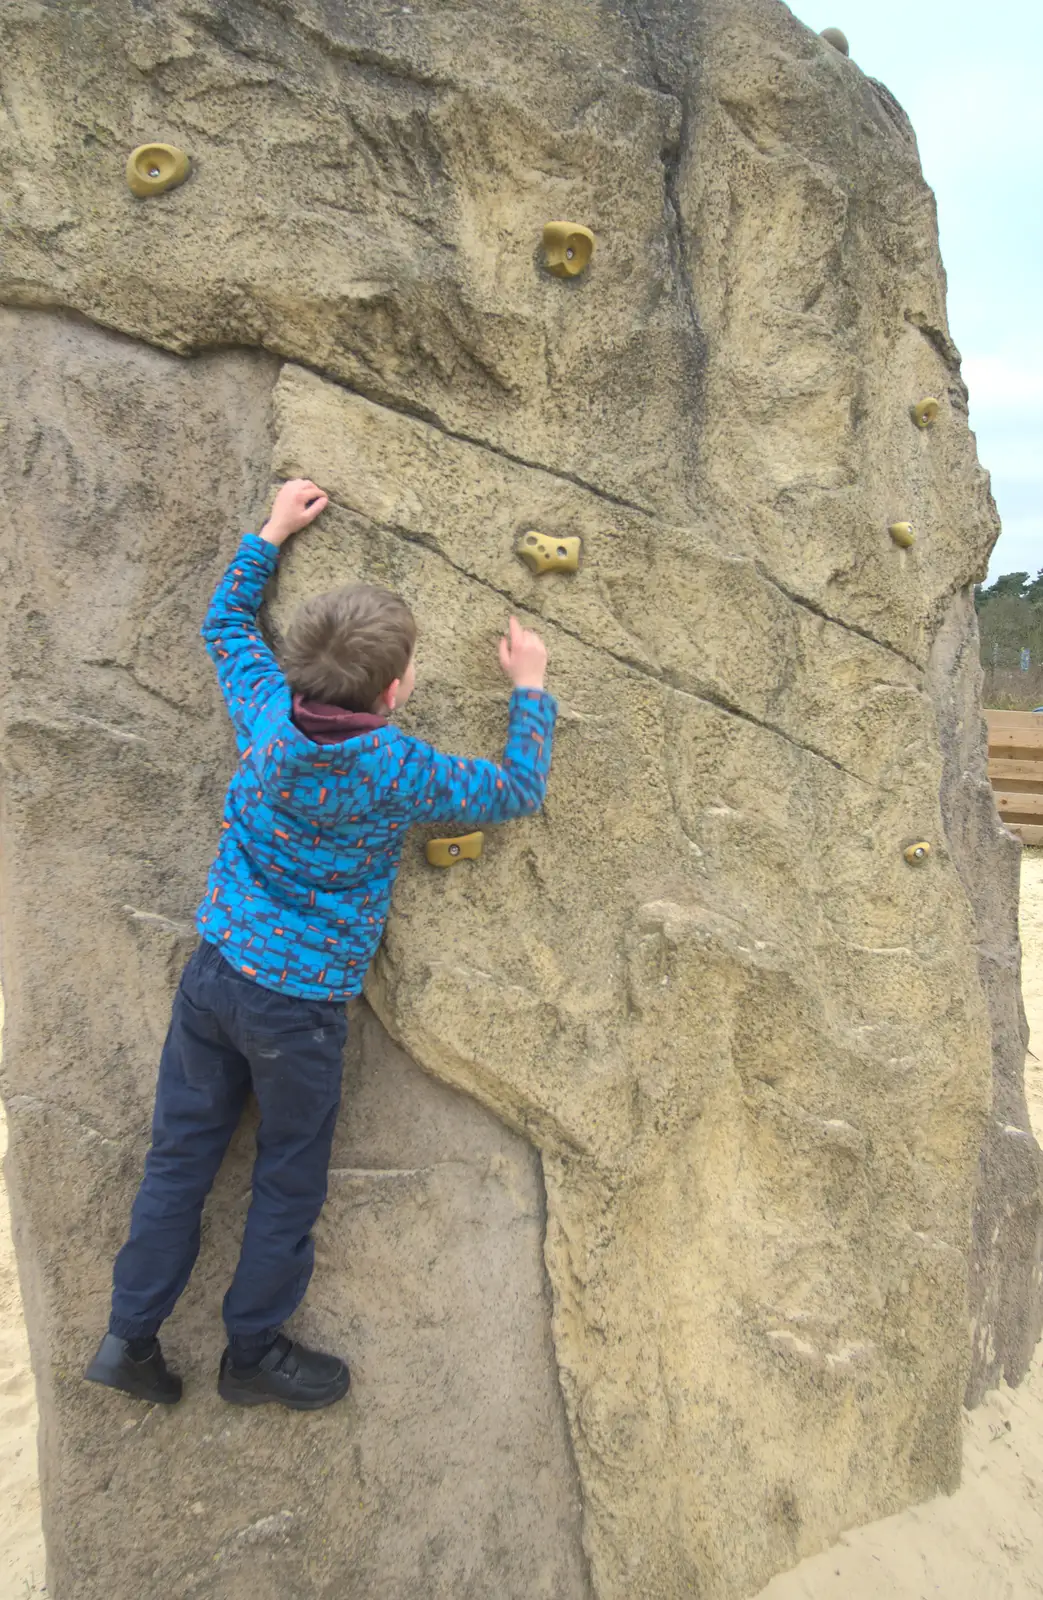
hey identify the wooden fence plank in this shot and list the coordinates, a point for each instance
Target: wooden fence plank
(1015, 787)
(1015, 770)
(1013, 719)
(1026, 807)
(1029, 833)
(1005, 771)
(1026, 737)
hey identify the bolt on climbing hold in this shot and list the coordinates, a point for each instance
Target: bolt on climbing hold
(447, 852)
(902, 533)
(153, 168)
(568, 247)
(837, 39)
(549, 555)
(916, 854)
(924, 411)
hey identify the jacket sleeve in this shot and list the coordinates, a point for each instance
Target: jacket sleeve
(247, 672)
(452, 789)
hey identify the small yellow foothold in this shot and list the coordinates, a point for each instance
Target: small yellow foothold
(837, 39)
(544, 554)
(924, 412)
(916, 854)
(447, 852)
(902, 533)
(153, 168)
(569, 247)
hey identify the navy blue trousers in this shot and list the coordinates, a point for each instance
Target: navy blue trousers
(228, 1036)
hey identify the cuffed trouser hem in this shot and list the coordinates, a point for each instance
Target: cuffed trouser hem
(124, 1328)
(248, 1348)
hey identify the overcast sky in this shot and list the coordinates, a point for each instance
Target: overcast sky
(970, 76)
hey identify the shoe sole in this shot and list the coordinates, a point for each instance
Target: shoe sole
(248, 1397)
(153, 1398)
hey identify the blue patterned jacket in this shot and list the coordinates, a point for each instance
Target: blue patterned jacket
(312, 835)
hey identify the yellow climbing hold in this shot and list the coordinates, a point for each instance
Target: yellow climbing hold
(925, 411)
(916, 854)
(568, 247)
(837, 39)
(544, 554)
(153, 168)
(902, 533)
(447, 852)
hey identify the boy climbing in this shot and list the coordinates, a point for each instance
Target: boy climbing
(314, 823)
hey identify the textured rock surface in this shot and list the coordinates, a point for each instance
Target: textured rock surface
(750, 1045)
(449, 1473)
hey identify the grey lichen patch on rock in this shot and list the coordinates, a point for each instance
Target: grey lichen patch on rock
(749, 1051)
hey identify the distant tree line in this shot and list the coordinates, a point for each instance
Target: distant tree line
(1010, 620)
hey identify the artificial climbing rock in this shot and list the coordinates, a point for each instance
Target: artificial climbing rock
(542, 554)
(568, 247)
(155, 168)
(903, 533)
(447, 852)
(662, 1129)
(837, 39)
(924, 412)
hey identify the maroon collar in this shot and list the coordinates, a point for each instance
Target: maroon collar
(332, 724)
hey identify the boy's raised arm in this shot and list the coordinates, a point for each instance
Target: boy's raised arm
(458, 790)
(247, 671)
(462, 791)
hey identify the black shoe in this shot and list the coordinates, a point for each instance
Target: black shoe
(145, 1380)
(290, 1375)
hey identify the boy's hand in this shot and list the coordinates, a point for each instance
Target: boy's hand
(523, 656)
(298, 502)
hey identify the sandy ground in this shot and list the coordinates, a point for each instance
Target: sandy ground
(983, 1543)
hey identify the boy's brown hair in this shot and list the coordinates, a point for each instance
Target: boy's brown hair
(345, 647)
